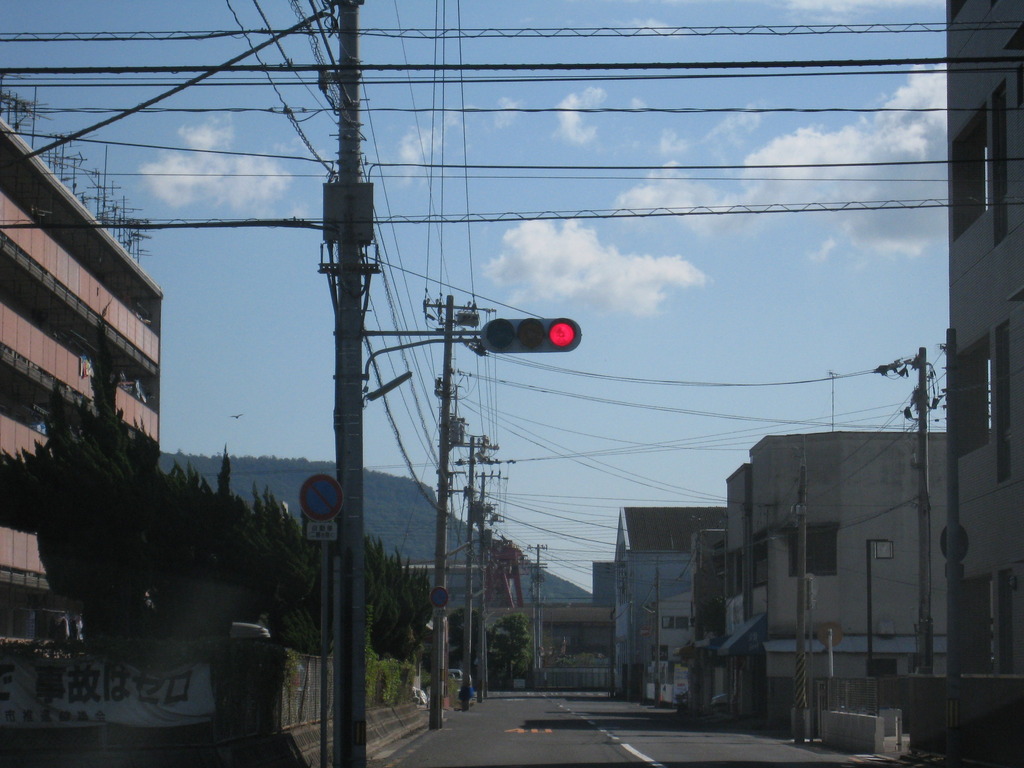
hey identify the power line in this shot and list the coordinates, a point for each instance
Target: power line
(204, 74)
(773, 30)
(462, 67)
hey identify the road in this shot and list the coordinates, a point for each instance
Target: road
(577, 731)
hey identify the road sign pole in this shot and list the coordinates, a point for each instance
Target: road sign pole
(325, 609)
(321, 499)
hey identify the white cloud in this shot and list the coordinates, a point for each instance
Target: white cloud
(849, 7)
(671, 144)
(244, 184)
(886, 137)
(586, 270)
(735, 128)
(570, 124)
(505, 119)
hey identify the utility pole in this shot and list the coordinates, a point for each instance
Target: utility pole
(800, 677)
(348, 229)
(474, 509)
(538, 618)
(956, 547)
(482, 645)
(657, 636)
(439, 655)
(924, 527)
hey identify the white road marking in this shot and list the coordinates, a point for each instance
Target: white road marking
(638, 754)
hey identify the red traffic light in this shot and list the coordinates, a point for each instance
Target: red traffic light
(531, 334)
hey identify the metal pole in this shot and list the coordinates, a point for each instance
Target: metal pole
(924, 528)
(800, 677)
(954, 555)
(870, 626)
(439, 655)
(657, 635)
(325, 611)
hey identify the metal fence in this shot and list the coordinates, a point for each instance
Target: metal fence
(858, 695)
(573, 678)
(300, 695)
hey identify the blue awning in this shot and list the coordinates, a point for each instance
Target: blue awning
(748, 638)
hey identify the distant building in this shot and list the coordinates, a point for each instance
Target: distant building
(861, 513)
(986, 291)
(603, 583)
(653, 595)
(61, 273)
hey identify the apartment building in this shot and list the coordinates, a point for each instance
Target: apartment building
(986, 291)
(863, 558)
(61, 274)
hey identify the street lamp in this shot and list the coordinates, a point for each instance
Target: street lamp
(874, 549)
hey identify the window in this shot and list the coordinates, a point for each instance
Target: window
(969, 174)
(1001, 399)
(973, 404)
(821, 550)
(675, 622)
(760, 562)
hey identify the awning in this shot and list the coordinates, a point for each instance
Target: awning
(747, 638)
(898, 644)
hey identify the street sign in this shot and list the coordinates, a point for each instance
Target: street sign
(321, 531)
(320, 498)
(439, 597)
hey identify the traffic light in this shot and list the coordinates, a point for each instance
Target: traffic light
(531, 334)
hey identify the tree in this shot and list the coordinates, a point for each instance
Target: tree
(456, 635)
(509, 647)
(148, 553)
(398, 603)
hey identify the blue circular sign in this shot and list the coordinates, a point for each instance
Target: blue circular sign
(321, 498)
(439, 597)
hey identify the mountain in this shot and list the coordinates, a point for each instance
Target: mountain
(397, 510)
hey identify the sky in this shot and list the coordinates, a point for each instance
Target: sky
(683, 217)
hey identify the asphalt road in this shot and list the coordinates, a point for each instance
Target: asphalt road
(577, 731)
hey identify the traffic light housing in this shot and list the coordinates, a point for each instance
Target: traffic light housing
(531, 334)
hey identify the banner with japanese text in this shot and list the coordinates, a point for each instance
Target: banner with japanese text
(93, 691)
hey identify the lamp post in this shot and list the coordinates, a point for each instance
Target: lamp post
(874, 549)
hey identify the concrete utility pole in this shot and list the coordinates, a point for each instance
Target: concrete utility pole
(467, 619)
(439, 654)
(924, 526)
(348, 229)
(538, 616)
(481, 687)
(956, 548)
(800, 677)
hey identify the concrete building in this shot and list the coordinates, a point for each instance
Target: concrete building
(986, 291)
(862, 539)
(61, 273)
(653, 594)
(603, 583)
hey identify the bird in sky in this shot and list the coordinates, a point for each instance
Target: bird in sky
(237, 415)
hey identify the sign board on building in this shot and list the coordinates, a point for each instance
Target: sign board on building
(91, 691)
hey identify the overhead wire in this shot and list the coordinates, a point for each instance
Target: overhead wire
(285, 108)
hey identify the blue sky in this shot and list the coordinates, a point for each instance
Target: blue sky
(677, 311)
